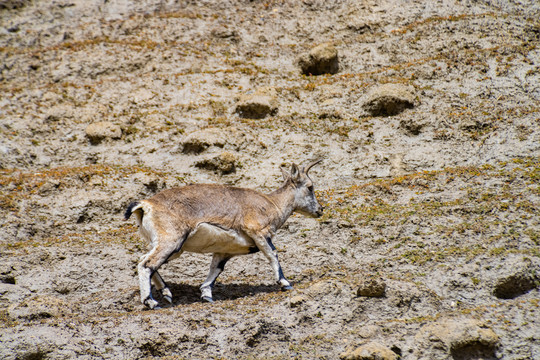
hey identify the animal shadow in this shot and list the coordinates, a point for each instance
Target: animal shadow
(184, 294)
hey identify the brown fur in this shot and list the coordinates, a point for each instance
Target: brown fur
(231, 219)
(230, 207)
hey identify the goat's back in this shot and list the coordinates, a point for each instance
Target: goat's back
(230, 207)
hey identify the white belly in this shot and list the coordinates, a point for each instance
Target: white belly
(207, 238)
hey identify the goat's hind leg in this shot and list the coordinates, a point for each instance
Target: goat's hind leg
(145, 274)
(216, 268)
(160, 285)
(150, 263)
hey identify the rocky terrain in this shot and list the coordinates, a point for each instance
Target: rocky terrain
(427, 116)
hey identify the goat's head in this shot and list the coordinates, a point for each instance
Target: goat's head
(305, 201)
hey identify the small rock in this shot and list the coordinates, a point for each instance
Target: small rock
(322, 59)
(223, 32)
(372, 287)
(154, 185)
(201, 140)
(405, 295)
(258, 105)
(297, 300)
(13, 4)
(322, 288)
(267, 331)
(370, 351)
(412, 126)
(51, 96)
(6, 274)
(524, 279)
(389, 99)
(141, 96)
(225, 163)
(360, 26)
(33, 351)
(473, 124)
(398, 167)
(99, 131)
(58, 112)
(368, 331)
(455, 338)
(7, 279)
(48, 187)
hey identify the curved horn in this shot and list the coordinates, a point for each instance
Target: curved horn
(310, 165)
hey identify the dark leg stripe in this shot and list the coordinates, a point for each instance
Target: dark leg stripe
(269, 241)
(221, 264)
(281, 276)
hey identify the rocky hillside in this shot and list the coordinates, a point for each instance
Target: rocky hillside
(427, 116)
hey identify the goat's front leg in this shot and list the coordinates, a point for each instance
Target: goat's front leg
(216, 268)
(264, 243)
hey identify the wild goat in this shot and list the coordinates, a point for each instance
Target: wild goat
(226, 221)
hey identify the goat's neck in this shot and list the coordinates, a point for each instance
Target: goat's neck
(283, 198)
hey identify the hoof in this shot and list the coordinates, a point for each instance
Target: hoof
(208, 299)
(286, 288)
(167, 295)
(151, 303)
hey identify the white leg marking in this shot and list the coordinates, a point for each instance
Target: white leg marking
(216, 267)
(162, 286)
(167, 295)
(270, 252)
(145, 282)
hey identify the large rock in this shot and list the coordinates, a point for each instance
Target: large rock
(369, 351)
(520, 277)
(99, 131)
(453, 338)
(258, 105)
(201, 140)
(389, 99)
(322, 59)
(224, 163)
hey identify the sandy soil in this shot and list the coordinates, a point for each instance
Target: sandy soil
(431, 209)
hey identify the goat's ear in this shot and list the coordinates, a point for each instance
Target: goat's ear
(295, 173)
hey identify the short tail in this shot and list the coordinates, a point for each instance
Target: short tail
(130, 208)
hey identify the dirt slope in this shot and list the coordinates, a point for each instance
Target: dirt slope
(430, 135)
